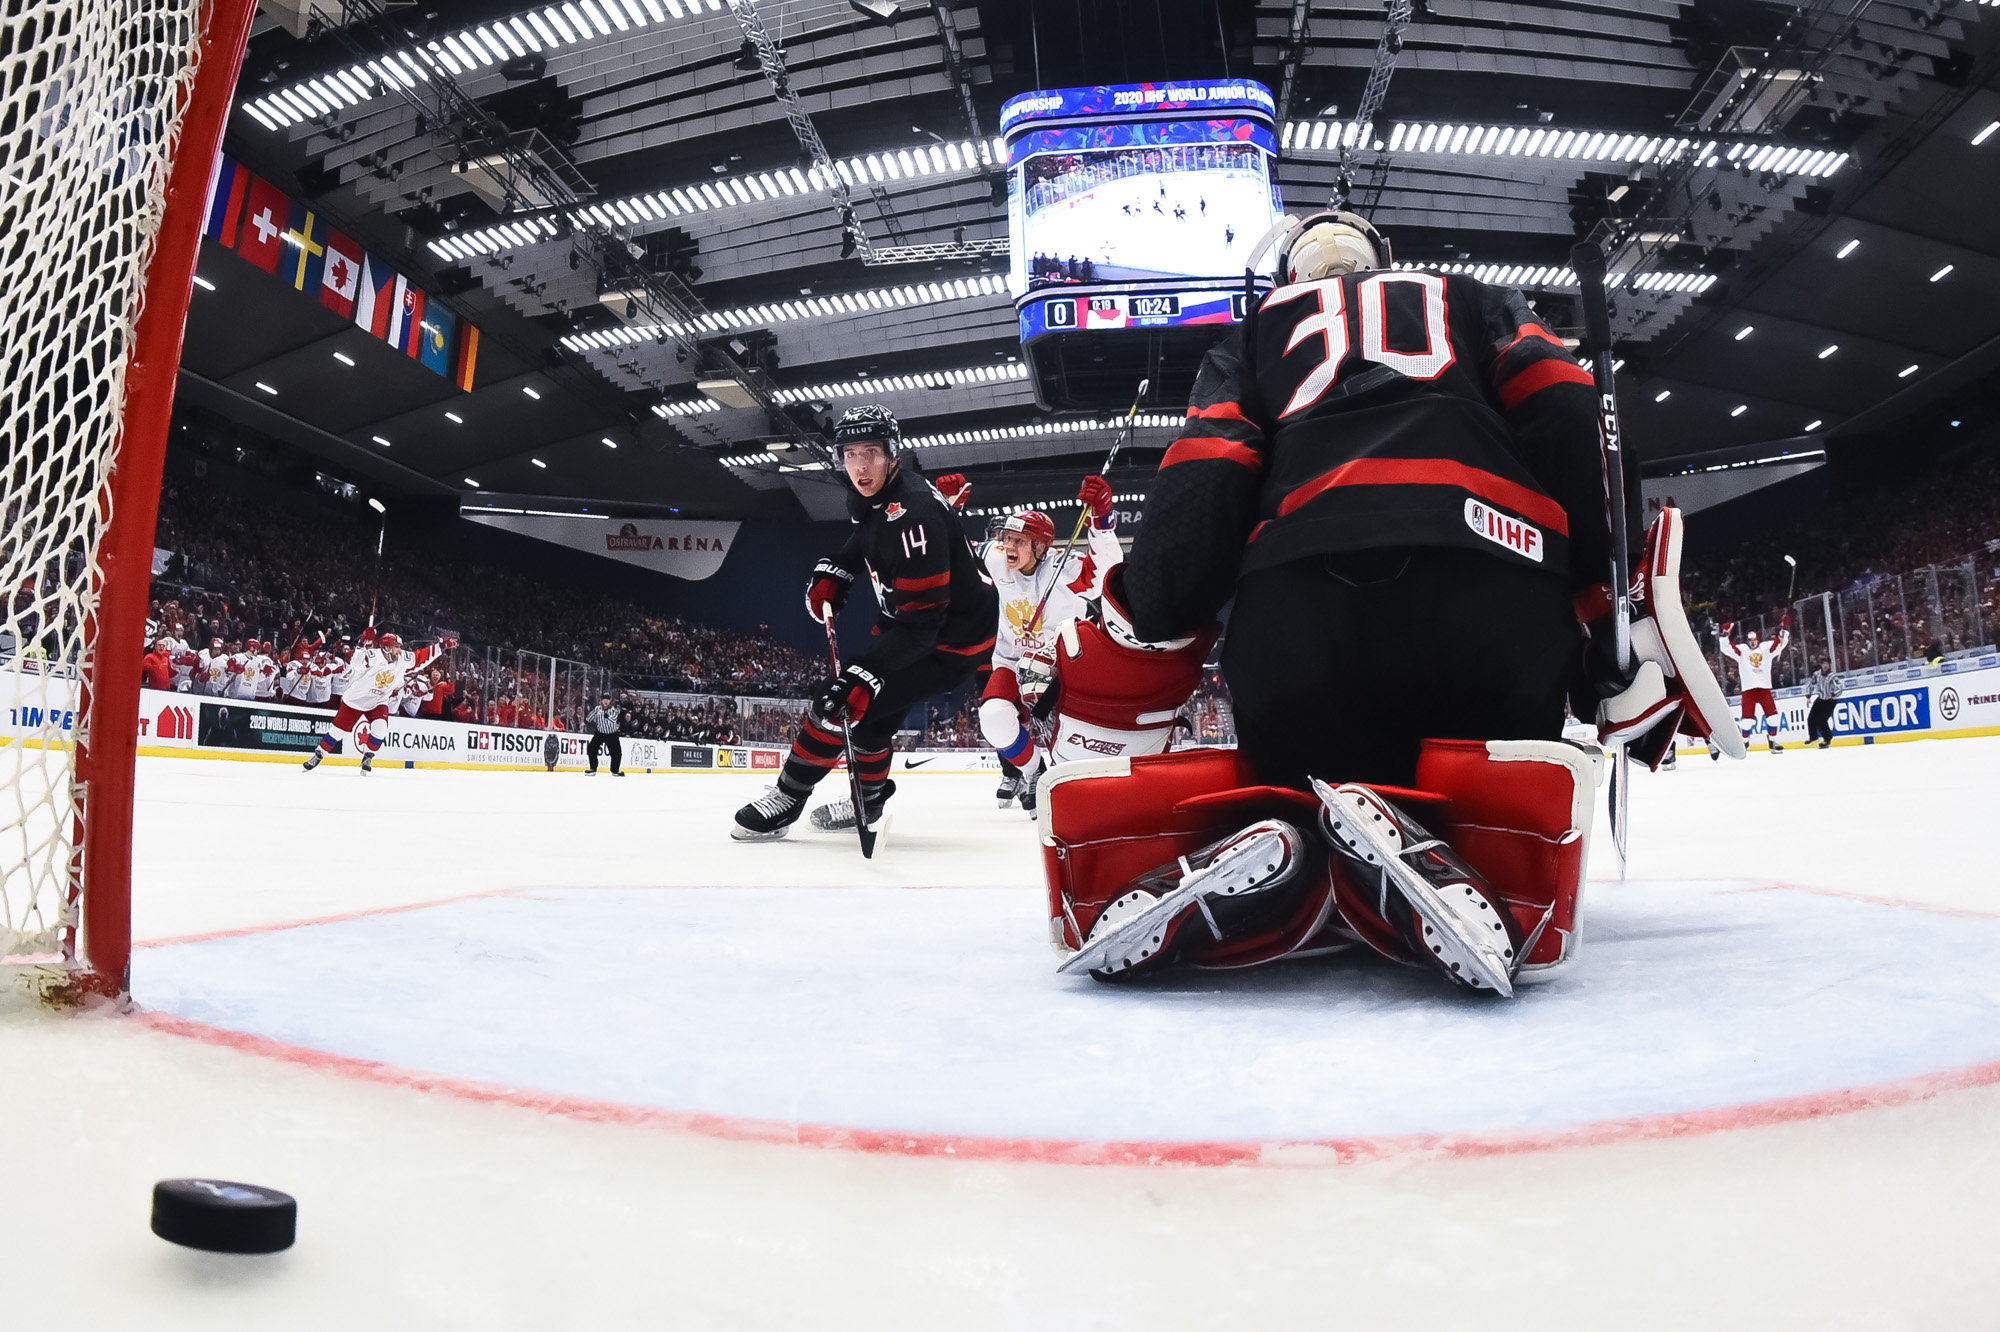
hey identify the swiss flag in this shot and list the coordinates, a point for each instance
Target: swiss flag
(342, 276)
(266, 214)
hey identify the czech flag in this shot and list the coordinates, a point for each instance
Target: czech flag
(372, 295)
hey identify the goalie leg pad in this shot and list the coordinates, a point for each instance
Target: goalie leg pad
(1661, 635)
(1520, 814)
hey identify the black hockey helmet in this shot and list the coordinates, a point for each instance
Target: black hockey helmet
(869, 424)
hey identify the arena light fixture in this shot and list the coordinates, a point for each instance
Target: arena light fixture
(343, 358)
(530, 391)
(839, 306)
(996, 373)
(376, 505)
(1985, 134)
(467, 50)
(610, 443)
(203, 283)
(1848, 249)
(1745, 332)
(379, 440)
(1943, 273)
(1906, 372)
(1828, 350)
(1739, 409)
(937, 160)
(538, 462)
(454, 418)
(1322, 136)
(1663, 395)
(470, 482)
(267, 388)
(692, 407)
(1813, 425)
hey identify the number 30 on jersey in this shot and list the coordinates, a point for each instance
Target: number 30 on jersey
(1330, 321)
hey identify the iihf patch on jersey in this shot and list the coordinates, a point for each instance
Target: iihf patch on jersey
(1523, 538)
(894, 511)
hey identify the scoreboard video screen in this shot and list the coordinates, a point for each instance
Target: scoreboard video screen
(1132, 209)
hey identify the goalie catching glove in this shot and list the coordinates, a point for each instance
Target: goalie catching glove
(1668, 678)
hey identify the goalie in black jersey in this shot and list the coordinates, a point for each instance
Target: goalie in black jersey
(1397, 477)
(938, 612)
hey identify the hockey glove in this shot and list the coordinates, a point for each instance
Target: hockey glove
(827, 592)
(1036, 671)
(1096, 496)
(955, 489)
(845, 697)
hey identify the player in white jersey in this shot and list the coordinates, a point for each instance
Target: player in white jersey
(319, 689)
(239, 682)
(263, 672)
(1754, 657)
(296, 677)
(211, 673)
(1037, 593)
(372, 686)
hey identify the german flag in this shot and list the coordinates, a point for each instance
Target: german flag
(467, 358)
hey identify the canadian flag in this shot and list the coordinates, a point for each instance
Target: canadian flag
(342, 277)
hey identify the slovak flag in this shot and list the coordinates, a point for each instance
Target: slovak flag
(372, 294)
(406, 317)
(342, 277)
(265, 216)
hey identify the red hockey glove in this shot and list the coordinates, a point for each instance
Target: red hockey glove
(1785, 622)
(1727, 625)
(845, 697)
(367, 638)
(1096, 496)
(448, 642)
(827, 592)
(955, 489)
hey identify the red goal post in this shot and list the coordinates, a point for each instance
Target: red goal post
(110, 123)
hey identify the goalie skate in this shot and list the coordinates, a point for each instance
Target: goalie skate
(1458, 923)
(1140, 925)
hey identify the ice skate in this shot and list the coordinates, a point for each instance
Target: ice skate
(838, 815)
(1140, 925)
(313, 762)
(1457, 920)
(766, 818)
(1031, 788)
(367, 763)
(1010, 787)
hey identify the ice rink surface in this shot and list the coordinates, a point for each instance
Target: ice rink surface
(539, 1050)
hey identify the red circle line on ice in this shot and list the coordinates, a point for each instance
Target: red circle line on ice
(1046, 1151)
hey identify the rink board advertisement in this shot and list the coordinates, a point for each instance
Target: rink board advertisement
(1902, 702)
(183, 724)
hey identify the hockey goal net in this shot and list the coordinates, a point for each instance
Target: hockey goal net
(111, 114)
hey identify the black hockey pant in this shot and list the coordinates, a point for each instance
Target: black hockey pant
(1340, 666)
(599, 742)
(818, 748)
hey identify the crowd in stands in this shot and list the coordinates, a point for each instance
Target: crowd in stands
(245, 570)
(1910, 571)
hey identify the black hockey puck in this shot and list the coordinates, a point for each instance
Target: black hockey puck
(222, 1217)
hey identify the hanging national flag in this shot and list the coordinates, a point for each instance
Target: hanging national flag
(468, 357)
(372, 303)
(225, 199)
(305, 249)
(406, 315)
(343, 274)
(265, 213)
(439, 331)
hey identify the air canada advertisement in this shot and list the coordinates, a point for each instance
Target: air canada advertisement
(173, 723)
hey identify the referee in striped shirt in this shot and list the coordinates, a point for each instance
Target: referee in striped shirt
(604, 723)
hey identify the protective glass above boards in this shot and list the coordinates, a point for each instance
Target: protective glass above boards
(1126, 184)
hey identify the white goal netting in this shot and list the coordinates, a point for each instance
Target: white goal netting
(90, 112)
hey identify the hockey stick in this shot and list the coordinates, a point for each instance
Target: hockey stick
(1083, 514)
(1587, 259)
(847, 742)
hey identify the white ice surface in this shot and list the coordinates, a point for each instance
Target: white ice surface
(939, 1012)
(431, 1211)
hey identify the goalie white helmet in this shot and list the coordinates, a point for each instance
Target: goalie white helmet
(1329, 244)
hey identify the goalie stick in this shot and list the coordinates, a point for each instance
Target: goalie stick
(847, 744)
(1587, 259)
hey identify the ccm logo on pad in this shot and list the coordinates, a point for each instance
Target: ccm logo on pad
(1523, 538)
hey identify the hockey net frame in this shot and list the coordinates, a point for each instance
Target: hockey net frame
(111, 118)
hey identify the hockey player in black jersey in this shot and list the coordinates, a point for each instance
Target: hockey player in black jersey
(938, 611)
(1397, 477)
